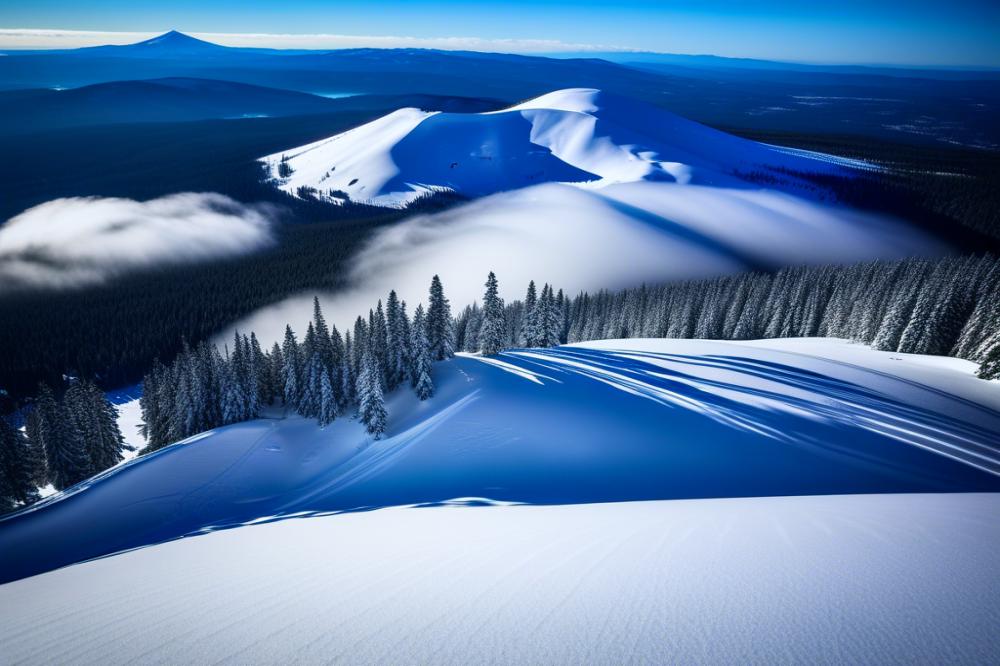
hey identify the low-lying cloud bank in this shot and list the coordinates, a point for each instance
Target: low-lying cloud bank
(582, 239)
(76, 242)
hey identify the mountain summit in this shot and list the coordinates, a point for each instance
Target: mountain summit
(169, 44)
(175, 40)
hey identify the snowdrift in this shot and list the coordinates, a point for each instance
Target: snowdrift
(908, 579)
(637, 420)
(576, 135)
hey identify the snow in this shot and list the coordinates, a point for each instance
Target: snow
(638, 420)
(578, 135)
(129, 420)
(822, 580)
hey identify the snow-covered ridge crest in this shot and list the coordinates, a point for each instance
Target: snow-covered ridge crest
(578, 135)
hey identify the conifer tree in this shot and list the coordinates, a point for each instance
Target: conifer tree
(528, 335)
(106, 444)
(395, 370)
(371, 401)
(440, 334)
(420, 377)
(18, 468)
(492, 331)
(65, 451)
(548, 319)
(327, 402)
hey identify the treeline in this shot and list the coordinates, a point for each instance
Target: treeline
(948, 306)
(64, 441)
(324, 376)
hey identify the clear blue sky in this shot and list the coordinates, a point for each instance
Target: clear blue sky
(959, 32)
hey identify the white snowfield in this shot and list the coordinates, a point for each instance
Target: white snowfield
(863, 579)
(578, 135)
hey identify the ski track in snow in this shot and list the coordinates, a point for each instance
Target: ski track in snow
(611, 421)
(785, 580)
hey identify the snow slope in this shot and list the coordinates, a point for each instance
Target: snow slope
(904, 579)
(655, 420)
(577, 135)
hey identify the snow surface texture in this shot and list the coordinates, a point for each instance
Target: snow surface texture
(577, 135)
(865, 579)
(583, 190)
(659, 419)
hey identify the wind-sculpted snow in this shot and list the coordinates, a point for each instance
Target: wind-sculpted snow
(576, 135)
(651, 420)
(866, 579)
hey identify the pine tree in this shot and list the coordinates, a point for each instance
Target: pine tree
(291, 370)
(105, 448)
(371, 401)
(528, 336)
(327, 402)
(421, 370)
(65, 450)
(548, 319)
(395, 369)
(990, 369)
(492, 330)
(18, 468)
(275, 378)
(440, 333)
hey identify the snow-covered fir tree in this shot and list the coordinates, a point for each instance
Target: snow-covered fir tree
(491, 337)
(440, 331)
(371, 401)
(528, 335)
(19, 468)
(420, 377)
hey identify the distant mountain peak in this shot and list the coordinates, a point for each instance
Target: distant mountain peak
(175, 39)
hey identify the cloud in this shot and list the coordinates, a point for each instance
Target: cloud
(77, 242)
(587, 239)
(25, 38)
(552, 233)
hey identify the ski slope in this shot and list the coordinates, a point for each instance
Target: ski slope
(617, 421)
(577, 135)
(863, 579)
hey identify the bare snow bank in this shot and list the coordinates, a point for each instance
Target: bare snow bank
(824, 579)
(80, 241)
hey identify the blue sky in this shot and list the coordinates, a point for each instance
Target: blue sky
(961, 32)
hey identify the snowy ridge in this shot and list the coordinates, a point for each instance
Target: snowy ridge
(579, 135)
(636, 420)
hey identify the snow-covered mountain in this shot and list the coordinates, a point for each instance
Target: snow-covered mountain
(576, 135)
(614, 421)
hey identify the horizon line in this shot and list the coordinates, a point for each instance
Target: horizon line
(54, 39)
